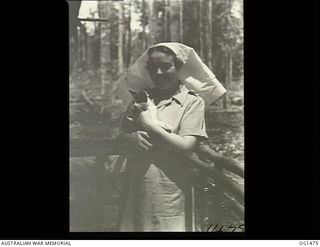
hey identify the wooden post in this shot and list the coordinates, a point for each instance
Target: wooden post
(204, 190)
(193, 209)
(101, 197)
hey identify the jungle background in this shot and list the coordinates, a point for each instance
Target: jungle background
(106, 38)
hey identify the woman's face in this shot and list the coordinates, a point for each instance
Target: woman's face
(162, 70)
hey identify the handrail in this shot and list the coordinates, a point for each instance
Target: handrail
(229, 185)
(102, 148)
(233, 204)
(105, 147)
(221, 160)
(96, 147)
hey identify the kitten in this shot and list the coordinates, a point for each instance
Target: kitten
(142, 102)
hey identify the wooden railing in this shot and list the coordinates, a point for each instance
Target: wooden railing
(210, 179)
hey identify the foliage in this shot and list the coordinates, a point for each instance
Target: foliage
(228, 27)
(91, 115)
(148, 26)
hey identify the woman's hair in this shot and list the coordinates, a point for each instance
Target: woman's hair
(177, 63)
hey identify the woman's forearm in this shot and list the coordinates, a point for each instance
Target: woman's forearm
(179, 143)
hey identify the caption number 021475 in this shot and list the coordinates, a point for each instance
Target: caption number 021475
(306, 242)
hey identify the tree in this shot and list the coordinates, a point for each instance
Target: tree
(152, 17)
(105, 56)
(201, 36)
(191, 30)
(128, 36)
(227, 33)
(209, 34)
(120, 36)
(167, 21)
(181, 21)
(174, 12)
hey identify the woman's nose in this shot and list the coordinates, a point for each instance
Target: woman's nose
(159, 71)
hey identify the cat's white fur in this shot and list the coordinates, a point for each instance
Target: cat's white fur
(150, 106)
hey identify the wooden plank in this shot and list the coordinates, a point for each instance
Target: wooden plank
(221, 160)
(232, 203)
(106, 147)
(226, 182)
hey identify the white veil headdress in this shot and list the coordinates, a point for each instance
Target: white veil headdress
(194, 74)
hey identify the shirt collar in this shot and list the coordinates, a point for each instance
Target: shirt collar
(179, 97)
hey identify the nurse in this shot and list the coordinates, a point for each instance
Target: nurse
(157, 187)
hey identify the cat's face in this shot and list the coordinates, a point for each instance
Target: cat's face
(139, 97)
(140, 103)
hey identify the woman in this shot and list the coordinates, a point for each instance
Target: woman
(157, 189)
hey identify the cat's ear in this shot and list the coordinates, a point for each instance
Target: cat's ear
(133, 93)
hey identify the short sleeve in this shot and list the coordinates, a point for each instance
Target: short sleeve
(193, 120)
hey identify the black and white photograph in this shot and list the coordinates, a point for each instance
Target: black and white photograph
(156, 116)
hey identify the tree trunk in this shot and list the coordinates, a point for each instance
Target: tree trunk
(196, 19)
(84, 48)
(181, 21)
(214, 48)
(200, 15)
(151, 22)
(120, 39)
(89, 60)
(79, 50)
(174, 21)
(74, 7)
(128, 37)
(230, 68)
(167, 21)
(105, 60)
(144, 22)
(228, 74)
(209, 34)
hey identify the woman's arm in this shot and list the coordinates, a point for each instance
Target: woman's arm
(192, 127)
(137, 139)
(179, 143)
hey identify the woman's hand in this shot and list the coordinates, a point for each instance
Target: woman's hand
(140, 140)
(184, 144)
(146, 119)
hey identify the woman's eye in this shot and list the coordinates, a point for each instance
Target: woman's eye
(165, 67)
(151, 67)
